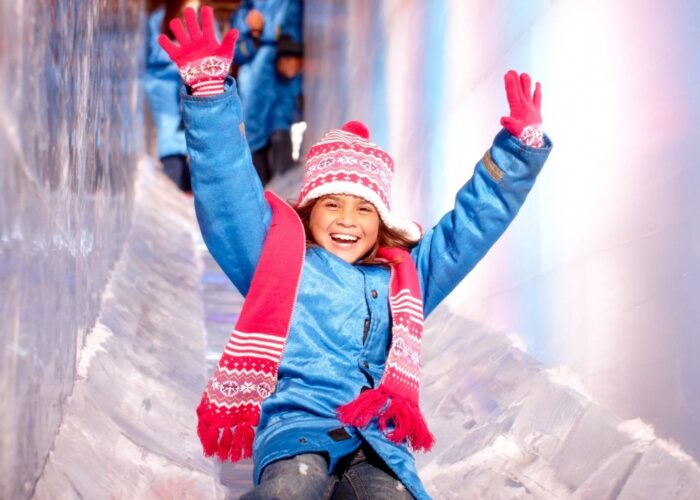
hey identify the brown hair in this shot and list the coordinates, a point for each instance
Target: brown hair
(387, 236)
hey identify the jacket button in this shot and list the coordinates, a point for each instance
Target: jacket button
(365, 364)
(302, 440)
(374, 294)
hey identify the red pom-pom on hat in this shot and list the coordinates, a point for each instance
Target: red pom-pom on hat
(357, 128)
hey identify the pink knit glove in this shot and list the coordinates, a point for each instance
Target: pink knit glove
(525, 120)
(202, 61)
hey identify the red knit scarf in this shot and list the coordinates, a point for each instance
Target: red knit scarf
(247, 370)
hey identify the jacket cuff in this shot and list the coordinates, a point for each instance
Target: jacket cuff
(510, 159)
(229, 88)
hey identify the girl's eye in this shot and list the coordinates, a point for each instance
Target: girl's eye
(331, 204)
(368, 210)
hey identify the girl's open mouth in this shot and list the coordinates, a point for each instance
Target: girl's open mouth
(345, 239)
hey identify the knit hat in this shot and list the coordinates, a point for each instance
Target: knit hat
(288, 47)
(344, 161)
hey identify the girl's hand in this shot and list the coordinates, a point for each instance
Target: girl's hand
(525, 117)
(202, 61)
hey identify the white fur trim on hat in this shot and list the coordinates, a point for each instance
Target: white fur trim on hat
(409, 229)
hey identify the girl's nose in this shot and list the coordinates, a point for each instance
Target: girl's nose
(346, 218)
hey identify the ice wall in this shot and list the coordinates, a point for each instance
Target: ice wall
(100, 340)
(70, 132)
(601, 269)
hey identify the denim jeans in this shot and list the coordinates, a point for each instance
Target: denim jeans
(360, 476)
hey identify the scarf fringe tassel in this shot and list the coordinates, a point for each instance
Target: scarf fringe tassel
(234, 442)
(403, 414)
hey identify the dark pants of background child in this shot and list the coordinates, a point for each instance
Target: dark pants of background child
(177, 168)
(275, 157)
(361, 476)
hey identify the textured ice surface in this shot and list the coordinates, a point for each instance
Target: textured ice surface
(507, 427)
(101, 336)
(129, 427)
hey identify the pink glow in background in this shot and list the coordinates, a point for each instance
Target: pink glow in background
(601, 270)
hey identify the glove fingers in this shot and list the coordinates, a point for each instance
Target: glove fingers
(169, 47)
(228, 44)
(207, 14)
(192, 24)
(526, 86)
(178, 30)
(512, 90)
(537, 98)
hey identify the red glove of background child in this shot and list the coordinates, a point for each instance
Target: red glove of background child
(202, 61)
(525, 118)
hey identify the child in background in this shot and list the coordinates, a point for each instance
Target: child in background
(162, 85)
(288, 105)
(289, 58)
(320, 378)
(270, 99)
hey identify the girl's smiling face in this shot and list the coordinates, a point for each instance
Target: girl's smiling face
(345, 225)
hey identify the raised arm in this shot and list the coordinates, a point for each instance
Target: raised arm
(489, 201)
(232, 212)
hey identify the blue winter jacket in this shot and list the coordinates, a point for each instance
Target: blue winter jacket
(162, 84)
(287, 107)
(340, 329)
(264, 94)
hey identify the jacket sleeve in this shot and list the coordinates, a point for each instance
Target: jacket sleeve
(231, 209)
(246, 48)
(484, 207)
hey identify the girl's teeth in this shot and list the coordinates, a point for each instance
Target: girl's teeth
(344, 237)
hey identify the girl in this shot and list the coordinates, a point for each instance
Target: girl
(324, 360)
